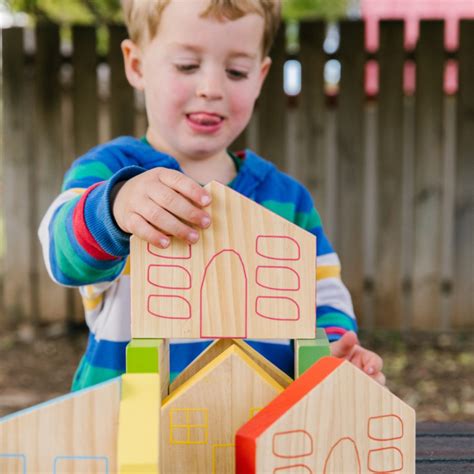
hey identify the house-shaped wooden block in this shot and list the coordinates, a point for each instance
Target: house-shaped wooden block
(76, 433)
(123, 426)
(200, 418)
(333, 419)
(250, 275)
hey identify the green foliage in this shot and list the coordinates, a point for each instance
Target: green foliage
(69, 11)
(302, 9)
(93, 11)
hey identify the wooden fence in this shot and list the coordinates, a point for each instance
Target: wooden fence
(392, 175)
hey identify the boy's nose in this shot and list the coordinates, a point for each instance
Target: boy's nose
(210, 88)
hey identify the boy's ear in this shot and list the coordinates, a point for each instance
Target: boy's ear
(264, 68)
(132, 58)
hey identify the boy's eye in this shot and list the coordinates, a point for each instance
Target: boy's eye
(234, 74)
(186, 67)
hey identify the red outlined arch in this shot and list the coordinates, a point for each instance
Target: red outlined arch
(245, 296)
(285, 434)
(177, 257)
(373, 419)
(157, 315)
(377, 469)
(294, 245)
(258, 278)
(333, 449)
(175, 267)
(259, 299)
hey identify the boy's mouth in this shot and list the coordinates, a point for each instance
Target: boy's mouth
(203, 122)
(204, 118)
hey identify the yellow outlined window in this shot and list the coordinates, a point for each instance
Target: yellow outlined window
(189, 425)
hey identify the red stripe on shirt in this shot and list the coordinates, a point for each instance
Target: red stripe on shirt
(335, 330)
(82, 233)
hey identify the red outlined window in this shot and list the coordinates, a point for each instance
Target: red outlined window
(385, 460)
(378, 426)
(277, 247)
(171, 277)
(293, 469)
(176, 250)
(169, 306)
(269, 277)
(283, 442)
(277, 308)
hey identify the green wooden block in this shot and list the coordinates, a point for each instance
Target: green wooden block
(142, 356)
(309, 351)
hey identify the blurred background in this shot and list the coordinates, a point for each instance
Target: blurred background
(369, 103)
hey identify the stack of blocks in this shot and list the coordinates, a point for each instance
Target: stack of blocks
(230, 410)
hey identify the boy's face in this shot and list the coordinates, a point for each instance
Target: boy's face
(201, 78)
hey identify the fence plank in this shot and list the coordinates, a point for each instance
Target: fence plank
(85, 100)
(16, 188)
(332, 150)
(388, 289)
(121, 92)
(350, 165)
(428, 175)
(272, 107)
(464, 200)
(49, 165)
(312, 117)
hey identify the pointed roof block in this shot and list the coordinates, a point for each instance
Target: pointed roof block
(217, 348)
(201, 416)
(73, 433)
(332, 419)
(250, 275)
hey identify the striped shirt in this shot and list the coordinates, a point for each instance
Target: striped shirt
(83, 247)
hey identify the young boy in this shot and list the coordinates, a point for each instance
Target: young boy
(201, 65)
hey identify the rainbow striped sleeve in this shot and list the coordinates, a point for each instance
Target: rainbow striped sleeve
(81, 242)
(334, 310)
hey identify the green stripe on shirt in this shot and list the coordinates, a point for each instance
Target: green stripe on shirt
(305, 220)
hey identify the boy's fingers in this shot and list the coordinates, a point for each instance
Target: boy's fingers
(372, 362)
(168, 223)
(145, 231)
(185, 186)
(380, 378)
(179, 206)
(344, 346)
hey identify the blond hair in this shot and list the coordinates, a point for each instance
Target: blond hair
(142, 17)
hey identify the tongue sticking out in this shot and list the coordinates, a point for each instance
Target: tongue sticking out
(205, 119)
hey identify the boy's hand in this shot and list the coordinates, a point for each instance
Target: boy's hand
(160, 203)
(348, 348)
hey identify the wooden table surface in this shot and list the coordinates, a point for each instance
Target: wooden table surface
(444, 448)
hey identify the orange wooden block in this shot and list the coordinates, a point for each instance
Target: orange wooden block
(332, 419)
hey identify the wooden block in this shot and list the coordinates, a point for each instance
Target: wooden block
(208, 355)
(150, 356)
(201, 416)
(219, 346)
(334, 418)
(142, 356)
(230, 284)
(309, 351)
(73, 433)
(139, 424)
